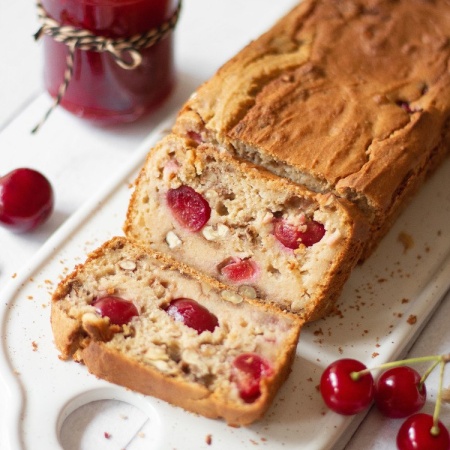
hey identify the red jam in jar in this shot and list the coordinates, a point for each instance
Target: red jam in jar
(99, 89)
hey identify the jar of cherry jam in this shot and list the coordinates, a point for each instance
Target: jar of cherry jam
(100, 89)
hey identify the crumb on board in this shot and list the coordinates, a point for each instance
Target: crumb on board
(375, 354)
(445, 395)
(406, 240)
(412, 319)
(14, 275)
(34, 345)
(208, 439)
(107, 435)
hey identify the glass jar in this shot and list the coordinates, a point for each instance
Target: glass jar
(99, 88)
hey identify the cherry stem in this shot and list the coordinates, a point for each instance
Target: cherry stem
(427, 373)
(437, 408)
(436, 359)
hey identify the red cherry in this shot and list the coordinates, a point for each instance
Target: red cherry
(238, 270)
(118, 310)
(291, 236)
(26, 200)
(397, 392)
(341, 392)
(415, 434)
(189, 208)
(248, 370)
(192, 314)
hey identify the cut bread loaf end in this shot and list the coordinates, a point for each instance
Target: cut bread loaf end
(262, 235)
(205, 371)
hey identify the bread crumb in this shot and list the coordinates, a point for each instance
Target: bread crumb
(412, 319)
(375, 354)
(35, 346)
(14, 275)
(107, 435)
(208, 439)
(445, 395)
(406, 240)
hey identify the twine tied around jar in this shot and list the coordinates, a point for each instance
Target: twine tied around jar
(125, 51)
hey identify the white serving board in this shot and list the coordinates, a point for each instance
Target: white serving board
(374, 324)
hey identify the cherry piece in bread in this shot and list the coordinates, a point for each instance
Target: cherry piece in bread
(237, 269)
(119, 310)
(248, 370)
(188, 207)
(192, 314)
(292, 236)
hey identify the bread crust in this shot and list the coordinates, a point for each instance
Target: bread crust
(350, 97)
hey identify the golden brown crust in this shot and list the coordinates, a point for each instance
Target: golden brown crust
(344, 96)
(115, 367)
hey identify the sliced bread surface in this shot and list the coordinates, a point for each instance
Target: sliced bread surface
(262, 235)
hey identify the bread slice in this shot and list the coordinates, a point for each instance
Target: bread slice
(246, 237)
(157, 355)
(350, 97)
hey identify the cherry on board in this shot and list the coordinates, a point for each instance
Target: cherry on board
(415, 434)
(342, 393)
(26, 200)
(398, 392)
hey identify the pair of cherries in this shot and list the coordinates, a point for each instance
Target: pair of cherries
(26, 200)
(347, 387)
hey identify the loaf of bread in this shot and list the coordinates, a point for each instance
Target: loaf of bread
(350, 97)
(139, 319)
(262, 235)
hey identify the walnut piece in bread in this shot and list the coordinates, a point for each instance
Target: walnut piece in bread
(232, 372)
(260, 234)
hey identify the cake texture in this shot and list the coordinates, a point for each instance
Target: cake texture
(262, 235)
(350, 97)
(230, 368)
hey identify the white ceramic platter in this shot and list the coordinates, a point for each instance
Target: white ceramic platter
(385, 304)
